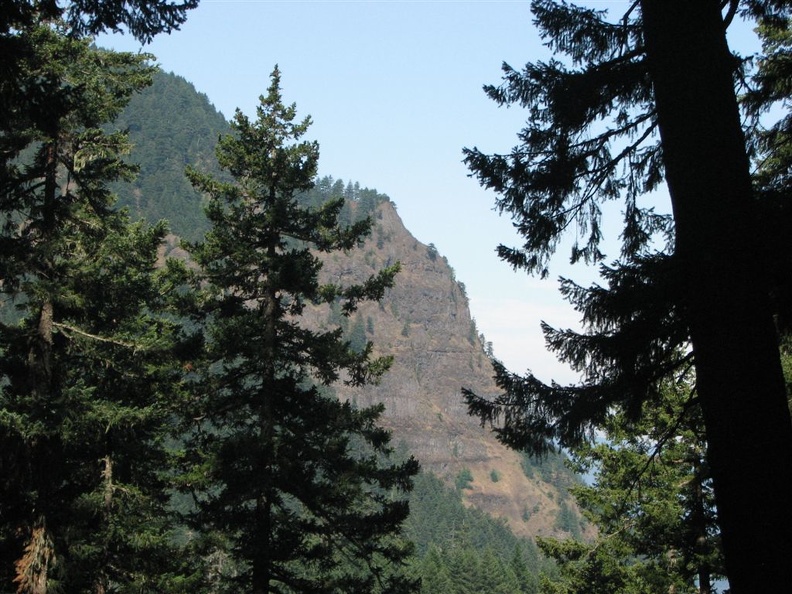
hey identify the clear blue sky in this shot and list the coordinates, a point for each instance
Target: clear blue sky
(395, 92)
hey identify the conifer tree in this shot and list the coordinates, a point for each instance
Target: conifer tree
(645, 99)
(295, 481)
(85, 374)
(651, 501)
(142, 18)
(28, 102)
(770, 89)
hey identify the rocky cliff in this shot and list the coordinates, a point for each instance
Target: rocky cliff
(425, 323)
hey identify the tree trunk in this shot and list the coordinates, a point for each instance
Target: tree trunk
(32, 569)
(698, 519)
(739, 379)
(262, 563)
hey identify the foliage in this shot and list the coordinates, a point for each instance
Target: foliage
(143, 19)
(359, 203)
(770, 147)
(88, 380)
(552, 468)
(463, 479)
(171, 124)
(464, 570)
(652, 502)
(556, 179)
(638, 102)
(296, 484)
(457, 546)
(27, 102)
(431, 252)
(94, 365)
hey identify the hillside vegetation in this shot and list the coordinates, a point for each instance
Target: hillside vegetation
(170, 126)
(424, 322)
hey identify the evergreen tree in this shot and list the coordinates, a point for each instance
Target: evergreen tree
(85, 374)
(770, 89)
(142, 18)
(651, 500)
(451, 538)
(648, 98)
(296, 482)
(435, 573)
(28, 102)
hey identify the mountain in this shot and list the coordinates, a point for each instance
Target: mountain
(170, 126)
(425, 323)
(424, 320)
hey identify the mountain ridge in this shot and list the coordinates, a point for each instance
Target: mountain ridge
(424, 322)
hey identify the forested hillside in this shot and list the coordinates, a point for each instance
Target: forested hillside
(242, 378)
(461, 549)
(424, 321)
(170, 126)
(476, 506)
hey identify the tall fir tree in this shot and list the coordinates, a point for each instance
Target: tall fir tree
(295, 481)
(651, 98)
(87, 374)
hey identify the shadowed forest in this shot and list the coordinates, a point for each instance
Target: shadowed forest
(186, 390)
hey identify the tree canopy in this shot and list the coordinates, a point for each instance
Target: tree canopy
(87, 373)
(141, 18)
(650, 496)
(87, 370)
(644, 100)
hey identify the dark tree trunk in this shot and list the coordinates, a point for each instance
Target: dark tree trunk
(739, 379)
(700, 535)
(263, 561)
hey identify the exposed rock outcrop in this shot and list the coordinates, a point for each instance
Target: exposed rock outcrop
(425, 323)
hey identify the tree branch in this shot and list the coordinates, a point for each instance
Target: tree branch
(96, 337)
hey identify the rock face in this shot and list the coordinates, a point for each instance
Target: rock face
(425, 323)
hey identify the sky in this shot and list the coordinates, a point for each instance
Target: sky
(394, 89)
